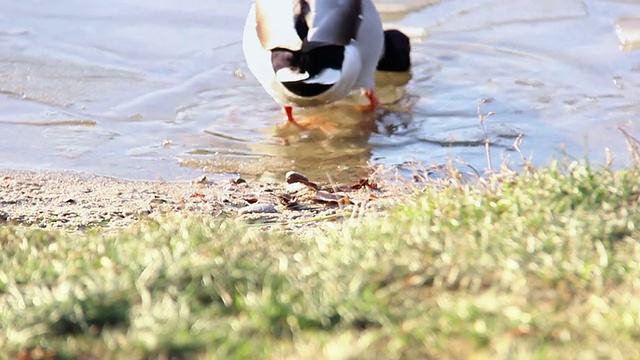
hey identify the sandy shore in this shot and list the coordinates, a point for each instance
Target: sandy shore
(79, 201)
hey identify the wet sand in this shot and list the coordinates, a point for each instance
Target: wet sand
(77, 201)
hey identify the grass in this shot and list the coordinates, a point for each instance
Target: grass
(540, 265)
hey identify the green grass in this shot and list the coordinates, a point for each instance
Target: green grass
(541, 265)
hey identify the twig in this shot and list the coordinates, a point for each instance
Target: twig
(633, 144)
(476, 172)
(516, 146)
(608, 157)
(482, 118)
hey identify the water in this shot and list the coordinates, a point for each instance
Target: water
(159, 89)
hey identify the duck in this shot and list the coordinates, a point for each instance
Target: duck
(308, 53)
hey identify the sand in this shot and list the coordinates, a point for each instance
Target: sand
(78, 201)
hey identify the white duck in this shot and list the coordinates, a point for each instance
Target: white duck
(314, 52)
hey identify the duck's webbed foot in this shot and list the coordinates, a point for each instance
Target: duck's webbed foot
(288, 111)
(374, 103)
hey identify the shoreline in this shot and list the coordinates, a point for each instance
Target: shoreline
(78, 201)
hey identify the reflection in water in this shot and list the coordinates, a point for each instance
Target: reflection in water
(335, 141)
(156, 89)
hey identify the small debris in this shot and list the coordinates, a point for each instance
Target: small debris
(362, 183)
(331, 198)
(296, 177)
(197, 195)
(417, 178)
(365, 182)
(157, 200)
(70, 201)
(295, 187)
(239, 181)
(289, 201)
(201, 180)
(238, 73)
(257, 209)
(251, 199)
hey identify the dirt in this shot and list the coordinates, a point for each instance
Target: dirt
(80, 201)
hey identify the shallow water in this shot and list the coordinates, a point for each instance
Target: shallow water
(160, 90)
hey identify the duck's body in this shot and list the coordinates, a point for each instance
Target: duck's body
(313, 52)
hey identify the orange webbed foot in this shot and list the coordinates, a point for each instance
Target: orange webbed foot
(305, 123)
(374, 103)
(288, 111)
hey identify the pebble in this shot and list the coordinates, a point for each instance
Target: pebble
(293, 177)
(257, 209)
(295, 187)
(201, 180)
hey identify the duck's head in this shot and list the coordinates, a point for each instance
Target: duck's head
(312, 48)
(309, 71)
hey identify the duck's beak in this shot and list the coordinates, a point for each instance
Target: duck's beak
(325, 77)
(290, 75)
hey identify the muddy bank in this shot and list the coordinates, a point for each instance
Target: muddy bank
(80, 201)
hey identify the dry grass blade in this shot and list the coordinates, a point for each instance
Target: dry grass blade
(516, 146)
(487, 142)
(633, 144)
